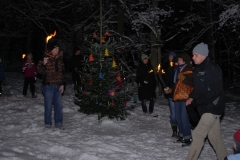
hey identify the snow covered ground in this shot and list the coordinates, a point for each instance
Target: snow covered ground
(23, 136)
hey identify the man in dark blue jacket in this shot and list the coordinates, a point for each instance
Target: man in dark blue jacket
(208, 97)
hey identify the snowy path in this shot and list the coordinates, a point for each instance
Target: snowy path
(23, 136)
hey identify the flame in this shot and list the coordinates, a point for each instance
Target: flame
(158, 68)
(23, 56)
(163, 72)
(171, 64)
(150, 71)
(51, 35)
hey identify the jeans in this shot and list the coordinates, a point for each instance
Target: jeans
(183, 120)
(208, 126)
(172, 108)
(151, 105)
(52, 96)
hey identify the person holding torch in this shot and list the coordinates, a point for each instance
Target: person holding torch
(53, 79)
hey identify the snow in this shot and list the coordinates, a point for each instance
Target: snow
(23, 136)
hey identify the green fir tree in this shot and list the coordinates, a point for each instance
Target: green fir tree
(105, 86)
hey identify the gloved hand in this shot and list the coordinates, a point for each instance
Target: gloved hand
(167, 90)
(181, 76)
(146, 82)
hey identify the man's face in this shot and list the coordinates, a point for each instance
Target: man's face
(198, 58)
(170, 58)
(55, 51)
(145, 60)
(77, 53)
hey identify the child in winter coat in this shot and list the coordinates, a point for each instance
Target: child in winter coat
(30, 72)
(236, 155)
(2, 76)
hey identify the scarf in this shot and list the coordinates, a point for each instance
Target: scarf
(179, 69)
(29, 63)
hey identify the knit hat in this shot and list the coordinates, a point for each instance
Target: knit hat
(236, 138)
(201, 49)
(30, 54)
(144, 56)
(172, 54)
(52, 43)
(186, 58)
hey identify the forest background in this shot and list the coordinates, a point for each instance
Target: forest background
(153, 27)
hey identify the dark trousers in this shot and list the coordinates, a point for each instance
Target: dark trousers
(27, 81)
(151, 105)
(76, 78)
(1, 82)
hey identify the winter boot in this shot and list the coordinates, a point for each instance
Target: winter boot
(174, 129)
(186, 142)
(179, 140)
(33, 95)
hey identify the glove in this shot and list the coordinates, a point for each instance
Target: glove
(181, 76)
(35, 78)
(167, 90)
(146, 82)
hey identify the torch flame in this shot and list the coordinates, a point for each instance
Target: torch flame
(23, 56)
(171, 64)
(158, 68)
(51, 35)
(163, 72)
(150, 71)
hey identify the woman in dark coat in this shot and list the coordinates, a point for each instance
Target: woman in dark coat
(146, 85)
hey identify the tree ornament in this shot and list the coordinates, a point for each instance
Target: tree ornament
(106, 53)
(114, 63)
(103, 40)
(112, 104)
(85, 91)
(125, 102)
(121, 51)
(100, 75)
(95, 35)
(91, 59)
(91, 82)
(107, 33)
(112, 92)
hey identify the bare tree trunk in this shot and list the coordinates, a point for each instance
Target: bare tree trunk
(210, 37)
(156, 52)
(120, 19)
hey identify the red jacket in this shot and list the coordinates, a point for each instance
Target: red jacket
(29, 72)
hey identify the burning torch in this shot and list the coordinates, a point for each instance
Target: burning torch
(23, 56)
(49, 37)
(159, 75)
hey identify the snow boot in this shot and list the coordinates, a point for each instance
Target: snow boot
(186, 142)
(174, 129)
(179, 140)
(33, 95)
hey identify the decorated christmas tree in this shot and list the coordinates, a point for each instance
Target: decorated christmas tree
(105, 87)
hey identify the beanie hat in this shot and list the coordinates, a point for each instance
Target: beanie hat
(236, 138)
(52, 43)
(30, 54)
(201, 49)
(144, 56)
(172, 54)
(186, 58)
